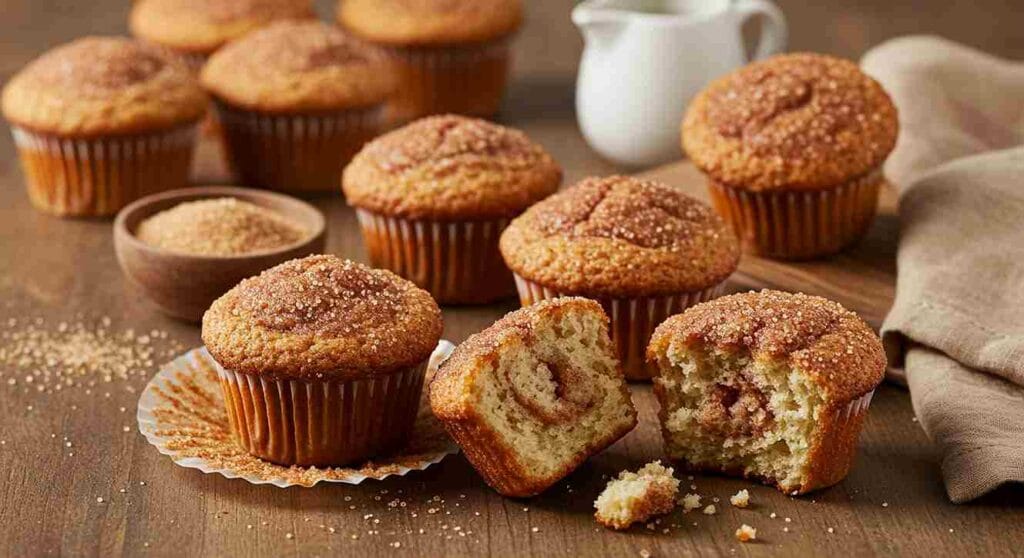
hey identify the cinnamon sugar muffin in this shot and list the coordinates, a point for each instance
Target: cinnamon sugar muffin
(452, 55)
(533, 396)
(433, 197)
(793, 148)
(767, 385)
(342, 347)
(196, 28)
(296, 100)
(643, 249)
(102, 121)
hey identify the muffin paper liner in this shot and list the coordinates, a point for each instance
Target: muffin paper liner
(466, 80)
(633, 320)
(93, 177)
(294, 153)
(182, 412)
(457, 262)
(799, 225)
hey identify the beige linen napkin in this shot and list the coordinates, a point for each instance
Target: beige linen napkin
(957, 325)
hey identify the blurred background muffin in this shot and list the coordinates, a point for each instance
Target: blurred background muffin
(643, 249)
(102, 121)
(452, 55)
(433, 197)
(295, 101)
(196, 28)
(793, 149)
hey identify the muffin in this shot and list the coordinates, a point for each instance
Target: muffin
(102, 121)
(793, 148)
(766, 385)
(295, 101)
(452, 55)
(641, 248)
(533, 396)
(637, 497)
(196, 28)
(433, 197)
(322, 360)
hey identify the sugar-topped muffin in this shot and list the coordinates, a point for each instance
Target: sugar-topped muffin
(296, 100)
(534, 395)
(767, 385)
(196, 28)
(793, 148)
(361, 336)
(433, 197)
(644, 249)
(452, 55)
(102, 121)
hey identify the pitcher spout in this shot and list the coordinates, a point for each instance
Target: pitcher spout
(597, 22)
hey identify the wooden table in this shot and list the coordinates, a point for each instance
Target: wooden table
(64, 270)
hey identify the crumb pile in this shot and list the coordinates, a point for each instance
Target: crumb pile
(636, 497)
(78, 354)
(191, 421)
(219, 227)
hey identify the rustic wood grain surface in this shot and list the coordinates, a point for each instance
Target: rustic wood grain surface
(61, 452)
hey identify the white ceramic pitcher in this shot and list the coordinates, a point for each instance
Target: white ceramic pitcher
(645, 59)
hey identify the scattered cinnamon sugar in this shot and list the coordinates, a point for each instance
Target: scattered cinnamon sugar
(191, 422)
(219, 227)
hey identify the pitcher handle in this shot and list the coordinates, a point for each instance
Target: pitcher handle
(773, 31)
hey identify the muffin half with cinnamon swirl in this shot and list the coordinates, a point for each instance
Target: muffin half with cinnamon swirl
(767, 385)
(533, 396)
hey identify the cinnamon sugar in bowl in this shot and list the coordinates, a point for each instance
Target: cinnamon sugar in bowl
(341, 346)
(102, 121)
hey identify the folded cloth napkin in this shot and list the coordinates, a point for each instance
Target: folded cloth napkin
(956, 328)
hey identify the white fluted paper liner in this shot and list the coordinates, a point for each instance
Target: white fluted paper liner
(184, 402)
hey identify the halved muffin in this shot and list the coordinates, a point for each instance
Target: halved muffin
(534, 395)
(767, 385)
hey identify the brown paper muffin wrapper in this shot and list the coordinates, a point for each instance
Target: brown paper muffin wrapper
(457, 262)
(633, 320)
(466, 80)
(95, 177)
(799, 225)
(294, 153)
(183, 413)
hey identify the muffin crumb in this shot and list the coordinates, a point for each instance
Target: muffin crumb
(636, 497)
(746, 533)
(741, 499)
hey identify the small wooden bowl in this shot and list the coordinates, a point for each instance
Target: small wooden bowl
(184, 285)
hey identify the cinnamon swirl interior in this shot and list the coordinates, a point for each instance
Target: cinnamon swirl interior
(535, 394)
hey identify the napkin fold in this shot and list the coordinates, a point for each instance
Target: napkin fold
(956, 329)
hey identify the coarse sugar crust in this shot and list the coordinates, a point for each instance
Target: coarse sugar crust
(798, 121)
(833, 346)
(430, 22)
(203, 26)
(621, 237)
(104, 85)
(450, 167)
(299, 67)
(322, 317)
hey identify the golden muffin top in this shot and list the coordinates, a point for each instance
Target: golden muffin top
(621, 237)
(103, 85)
(791, 122)
(298, 66)
(203, 26)
(450, 167)
(814, 335)
(322, 317)
(430, 22)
